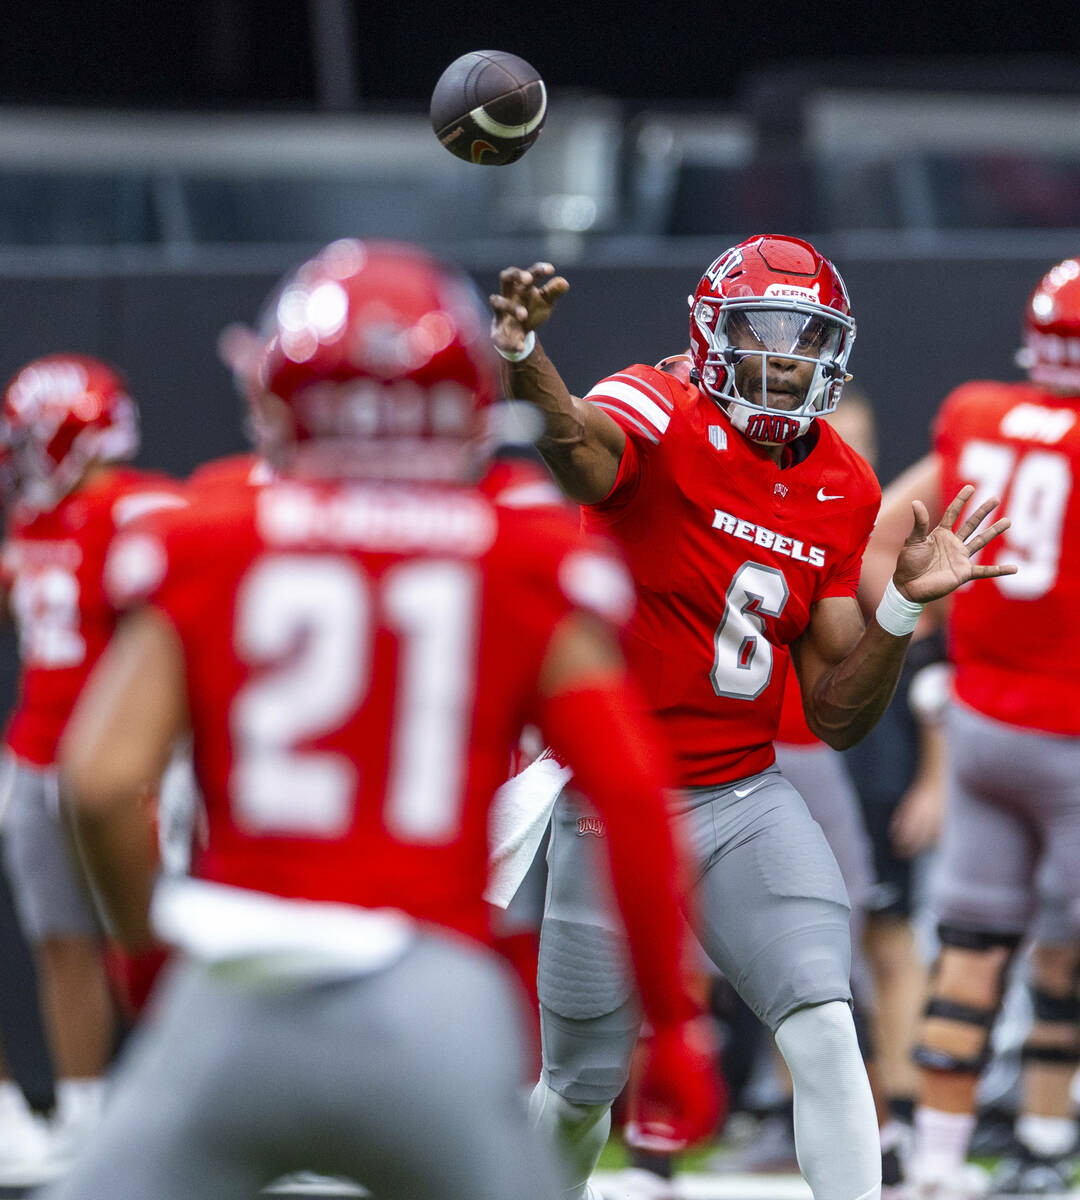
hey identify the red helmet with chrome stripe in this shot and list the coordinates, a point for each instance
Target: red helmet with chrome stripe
(771, 297)
(381, 355)
(61, 414)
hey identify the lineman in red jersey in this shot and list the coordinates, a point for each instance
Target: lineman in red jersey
(67, 422)
(355, 648)
(1013, 731)
(744, 521)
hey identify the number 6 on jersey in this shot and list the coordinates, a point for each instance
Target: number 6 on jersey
(743, 662)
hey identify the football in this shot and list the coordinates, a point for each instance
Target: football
(488, 107)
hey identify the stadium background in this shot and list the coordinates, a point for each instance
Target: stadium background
(162, 164)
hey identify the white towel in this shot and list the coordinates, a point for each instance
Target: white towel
(519, 815)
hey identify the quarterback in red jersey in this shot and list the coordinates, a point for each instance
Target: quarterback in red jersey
(355, 648)
(66, 426)
(744, 520)
(1013, 734)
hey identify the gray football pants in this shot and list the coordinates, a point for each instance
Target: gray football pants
(1013, 803)
(771, 912)
(46, 878)
(408, 1080)
(818, 774)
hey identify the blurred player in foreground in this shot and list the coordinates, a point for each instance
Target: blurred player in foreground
(355, 648)
(744, 521)
(1013, 737)
(67, 425)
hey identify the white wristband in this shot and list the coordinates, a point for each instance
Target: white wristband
(524, 352)
(895, 614)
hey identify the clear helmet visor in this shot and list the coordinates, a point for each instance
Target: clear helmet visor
(791, 334)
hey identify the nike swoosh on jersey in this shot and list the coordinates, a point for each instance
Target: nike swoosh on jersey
(823, 495)
(742, 793)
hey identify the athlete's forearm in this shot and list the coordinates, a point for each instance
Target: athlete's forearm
(115, 845)
(537, 380)
(848, 698)
(580, 445)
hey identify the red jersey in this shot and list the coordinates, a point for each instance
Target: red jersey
(234, 470)
(521, 483)
(729, 553)
(1015, 640)
(359, 682)
(52, 566)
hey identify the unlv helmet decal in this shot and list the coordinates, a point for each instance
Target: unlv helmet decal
(771, 302)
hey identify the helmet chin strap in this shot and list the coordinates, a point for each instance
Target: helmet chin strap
(763, 428)
(756, 425)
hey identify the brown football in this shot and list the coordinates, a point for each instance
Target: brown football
(488, 107)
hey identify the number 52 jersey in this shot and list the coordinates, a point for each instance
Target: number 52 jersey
(729, 553)
(52, 564)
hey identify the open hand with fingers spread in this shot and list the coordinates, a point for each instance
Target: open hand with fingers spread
(935, 562)
(524, 303)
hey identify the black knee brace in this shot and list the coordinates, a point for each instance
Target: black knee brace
(964, 1014)
(1060, 1056)
(976, 939)
(1056, 1009)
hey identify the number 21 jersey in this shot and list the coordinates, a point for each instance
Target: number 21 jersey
(360, 662)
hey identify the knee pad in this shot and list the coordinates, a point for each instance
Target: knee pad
(584, 970)
(588, 1061)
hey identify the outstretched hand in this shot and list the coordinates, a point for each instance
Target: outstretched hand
(935, 562)
(524, 303)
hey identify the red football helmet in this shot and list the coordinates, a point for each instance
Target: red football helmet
(61, 414)
(771, 296)
(382, 356)
(1051, 350)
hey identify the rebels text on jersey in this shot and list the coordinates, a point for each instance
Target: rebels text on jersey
(361, 678)
(51, 564)
(1015, 641)
(729, 553)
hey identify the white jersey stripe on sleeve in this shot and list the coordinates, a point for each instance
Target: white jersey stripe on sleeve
(633, 397)
(664, 401)
(615, 410)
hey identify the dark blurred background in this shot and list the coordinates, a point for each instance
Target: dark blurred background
(162, 164)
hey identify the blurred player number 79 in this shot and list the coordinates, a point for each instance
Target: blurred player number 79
(488, 107)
